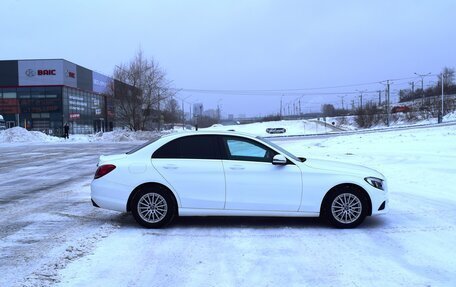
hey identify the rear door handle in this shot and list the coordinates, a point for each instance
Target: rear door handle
(170, 166)
(237, 167)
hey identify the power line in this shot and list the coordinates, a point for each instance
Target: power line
(256, 91)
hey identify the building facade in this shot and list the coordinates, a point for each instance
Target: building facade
(43, 95)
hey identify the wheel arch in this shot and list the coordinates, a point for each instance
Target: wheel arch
(151, 185)
(351, 187)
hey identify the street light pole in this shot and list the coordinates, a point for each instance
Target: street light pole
(388, 103)
(183, 112)
(281, 100)
(441, 112)
(422, 85)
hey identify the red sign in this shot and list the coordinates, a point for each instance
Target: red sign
(75, 116)
(9, 106)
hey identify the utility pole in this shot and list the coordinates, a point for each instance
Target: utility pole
(342, 99)
(412, 84)
(387, 102)
(281, 99)
(379, 98)
(361, 97)
(183, 112)
(299, 102)
(422, 85)
(183, 115)
(441, 112)
(158, 108)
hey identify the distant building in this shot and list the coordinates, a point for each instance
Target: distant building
(43, 95)
(211, 113)
(230, 117)
(198, 109)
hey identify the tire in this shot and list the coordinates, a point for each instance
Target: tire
(153, 208)
(345, 208)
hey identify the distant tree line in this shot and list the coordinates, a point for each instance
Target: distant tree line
(449, 87)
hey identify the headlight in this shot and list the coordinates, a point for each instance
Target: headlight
(375, 182)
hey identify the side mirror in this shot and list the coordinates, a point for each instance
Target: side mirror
(279, 159)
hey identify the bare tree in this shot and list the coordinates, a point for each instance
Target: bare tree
(448, 77)
(139, 89)
(172, 112)
(328, 110)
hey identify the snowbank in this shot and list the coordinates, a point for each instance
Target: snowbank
(125, 136)
(450, 117)
(396, 120)
(21, 135)
(18, 134)
(293, 127)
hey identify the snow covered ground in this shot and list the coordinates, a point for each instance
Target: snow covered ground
(292, 127)
(51, 235)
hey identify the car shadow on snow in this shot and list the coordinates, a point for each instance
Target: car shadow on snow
(248, 222)
(127, 220)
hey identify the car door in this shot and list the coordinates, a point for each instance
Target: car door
(253, 182)
(192, 166)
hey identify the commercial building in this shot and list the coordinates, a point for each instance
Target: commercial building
(43, 95)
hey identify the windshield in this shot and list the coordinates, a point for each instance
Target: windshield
(280, 149)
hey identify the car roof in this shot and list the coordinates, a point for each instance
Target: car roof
(209, 132)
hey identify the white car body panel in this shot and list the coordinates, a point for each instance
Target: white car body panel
(211, 187)
(200, 183)
(281, 186)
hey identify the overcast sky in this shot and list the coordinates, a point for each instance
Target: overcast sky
(244, 45)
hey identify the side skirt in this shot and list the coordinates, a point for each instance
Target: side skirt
(231, 212)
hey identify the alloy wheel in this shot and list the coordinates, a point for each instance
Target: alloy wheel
(152, 207)
(346, 208)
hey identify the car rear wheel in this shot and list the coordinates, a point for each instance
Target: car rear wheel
(345, 208)
(153, 208)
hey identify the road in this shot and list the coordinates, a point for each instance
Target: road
(51, 235)
(44, 203)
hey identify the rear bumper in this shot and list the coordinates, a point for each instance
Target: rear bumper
(108, 195)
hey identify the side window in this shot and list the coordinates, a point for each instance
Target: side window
(248, 150)
(169, 150)
(194, 147)
(199, 147)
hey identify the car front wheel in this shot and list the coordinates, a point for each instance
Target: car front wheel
(345, 209)
(153, 209)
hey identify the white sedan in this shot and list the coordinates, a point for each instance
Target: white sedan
(233, 174)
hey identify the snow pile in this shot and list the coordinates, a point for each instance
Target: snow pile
(125, 136)
(450, 117)
(18, 134)
(21, 135)
(293, 127)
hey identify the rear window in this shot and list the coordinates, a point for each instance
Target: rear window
(143, 145)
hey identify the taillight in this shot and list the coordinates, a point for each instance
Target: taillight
(104, 170)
